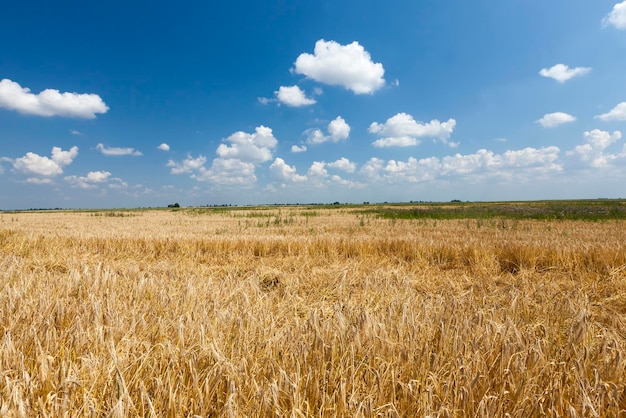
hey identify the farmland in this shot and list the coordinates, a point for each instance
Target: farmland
(414, 310)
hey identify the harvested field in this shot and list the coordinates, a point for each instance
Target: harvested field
(299, 311)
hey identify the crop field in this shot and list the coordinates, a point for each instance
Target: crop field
(453, 310)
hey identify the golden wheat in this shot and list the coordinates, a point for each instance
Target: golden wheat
(285, 312)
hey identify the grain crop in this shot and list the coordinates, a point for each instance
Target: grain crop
(300, 311)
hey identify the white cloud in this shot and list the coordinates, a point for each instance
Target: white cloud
(254, 148)
(39, 180)
(164, 147)
(98, 176)
(343, 164)
(50, 102)
(228, 172)
(529, 157)
(562, 72)
(116, 152)
(75, 132)
(293, 97)
(236, 163)
(592, 152)
(617, 17)
(618, 113)
(521, 164)
(399, 141)
(33, 163)
(402, 130)
(223, 171)
(284, 172)
(601, 139)
(317, 169)
(550, 120)
(188, 165)
(349, 66)
(117, 183)
(338, 130)
(90, 180)
(296, 148)
(39, 165)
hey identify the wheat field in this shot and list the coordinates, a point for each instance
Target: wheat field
(298, 312)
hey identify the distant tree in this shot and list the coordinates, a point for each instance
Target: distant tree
(173, 205)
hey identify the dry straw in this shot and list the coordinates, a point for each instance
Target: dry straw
(293, 313)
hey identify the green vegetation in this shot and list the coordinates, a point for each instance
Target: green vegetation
(584, 210)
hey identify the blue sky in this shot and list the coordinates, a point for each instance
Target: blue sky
(146, 103)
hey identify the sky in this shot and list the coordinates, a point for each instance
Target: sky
(122, 104)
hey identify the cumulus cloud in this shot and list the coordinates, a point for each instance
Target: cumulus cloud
(592, 152)
(349, 66)
(298, 148)
(601, 139)
(550, 120)
(228, 172)
(562, 72)
(90, 180)
(49, 102)
(164, 147)
(317, 169)
(338, 130)
(35, 164)
(617, 17)
(343, 164)
(521, 164)
(236, 163)
(188, 165)
(618, 113)
(292, 96)
(223, 171)
(402, 130)
(116, 152)
(282, 171)
(255, 148)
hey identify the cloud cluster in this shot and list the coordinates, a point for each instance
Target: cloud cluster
(482, 164)
(237, 159)
(349, 66)
(593, 151)
(50, 102)
(90, 180)
(164, 147)
(402, 130)
(283, 172)
(617, 17)
(338, 130)
(562, 72)
(188, 165)
(38, 165)
(255, 148)
(317, 175)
